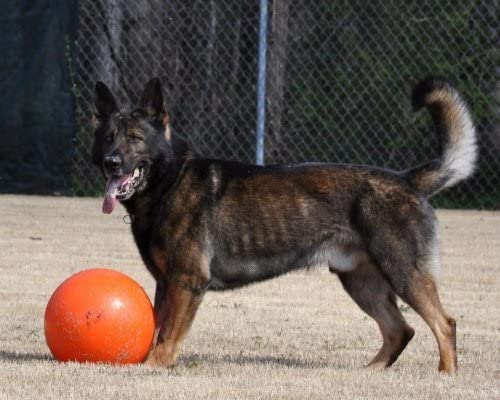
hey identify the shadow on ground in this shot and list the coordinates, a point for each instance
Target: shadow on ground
(193, 359)
(242, 359)
(13, 356)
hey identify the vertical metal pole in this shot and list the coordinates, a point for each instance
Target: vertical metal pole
(261, 84)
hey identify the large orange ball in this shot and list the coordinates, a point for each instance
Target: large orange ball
(99, 315)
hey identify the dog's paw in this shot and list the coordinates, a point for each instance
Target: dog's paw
(159, 358)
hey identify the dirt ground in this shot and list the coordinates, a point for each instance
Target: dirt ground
(299, 336)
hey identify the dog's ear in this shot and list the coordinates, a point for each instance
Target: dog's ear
(152, 102)
(105, 103)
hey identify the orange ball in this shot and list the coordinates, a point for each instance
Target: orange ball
(99, 315)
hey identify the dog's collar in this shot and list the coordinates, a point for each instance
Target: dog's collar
(128, 219)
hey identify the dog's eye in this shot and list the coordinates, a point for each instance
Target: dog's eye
(135, 139)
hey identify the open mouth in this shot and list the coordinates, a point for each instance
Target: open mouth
(122, 188)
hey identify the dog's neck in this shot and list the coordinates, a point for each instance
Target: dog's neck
(163, 176)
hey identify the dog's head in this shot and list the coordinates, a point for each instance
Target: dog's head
(128, 144)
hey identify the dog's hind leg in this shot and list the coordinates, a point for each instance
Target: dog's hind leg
(411, 277)
(373, 294)
(402, 239)
(419, 290)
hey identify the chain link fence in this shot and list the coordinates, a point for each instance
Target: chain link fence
(339, 74)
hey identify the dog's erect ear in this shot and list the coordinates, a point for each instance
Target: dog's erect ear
(105, 103)
(152, 102)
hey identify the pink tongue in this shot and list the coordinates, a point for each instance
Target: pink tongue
(112, 186)
(108, 205)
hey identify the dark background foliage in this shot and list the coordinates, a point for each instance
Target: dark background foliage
(339, 75)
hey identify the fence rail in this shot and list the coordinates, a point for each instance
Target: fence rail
(338, 78)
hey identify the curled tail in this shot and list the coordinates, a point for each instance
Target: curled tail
(454, 125)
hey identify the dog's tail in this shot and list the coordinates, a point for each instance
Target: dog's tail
(454, 125)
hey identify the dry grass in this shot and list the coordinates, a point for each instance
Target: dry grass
(299, 336)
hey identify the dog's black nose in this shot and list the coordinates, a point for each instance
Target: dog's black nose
(112, 162)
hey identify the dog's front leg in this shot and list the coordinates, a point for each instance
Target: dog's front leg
(174, 315)
(159, 295)
(159, 298)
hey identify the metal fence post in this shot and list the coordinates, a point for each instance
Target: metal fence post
(261, 84)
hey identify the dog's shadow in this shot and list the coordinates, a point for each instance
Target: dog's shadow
(242, 359)
(23, 357)
(191, 360)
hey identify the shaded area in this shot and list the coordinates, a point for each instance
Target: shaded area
(246, 359)
(24, 357)
(36, 106)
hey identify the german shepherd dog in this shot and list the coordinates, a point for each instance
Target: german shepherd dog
(203, 224)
